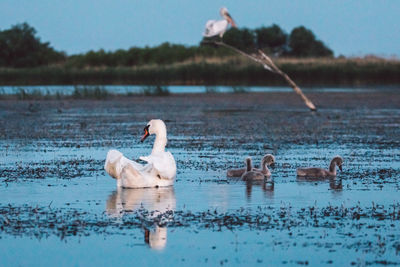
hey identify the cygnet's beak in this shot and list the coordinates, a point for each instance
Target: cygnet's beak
(146, 133)
(340, 167)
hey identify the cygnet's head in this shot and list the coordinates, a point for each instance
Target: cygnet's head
(249, 165)
(338, 161)
(268, 160)
(154, 126)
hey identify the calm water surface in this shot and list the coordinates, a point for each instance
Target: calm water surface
(59, 171)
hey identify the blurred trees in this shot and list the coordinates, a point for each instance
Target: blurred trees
(300, 43)
(273, 39)
(303, 43)
(242, 39)
(163, 54)
(19, 47)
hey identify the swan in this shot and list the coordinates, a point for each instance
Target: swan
(251, 173)
(319, 172)
(218, 27)
(160, 169)
(267, 160)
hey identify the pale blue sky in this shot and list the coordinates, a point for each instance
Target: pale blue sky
(352, 28)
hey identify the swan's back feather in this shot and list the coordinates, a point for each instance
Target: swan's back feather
(164, 163)
(113, 164)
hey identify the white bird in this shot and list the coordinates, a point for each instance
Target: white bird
(218, 27)
(160, 169)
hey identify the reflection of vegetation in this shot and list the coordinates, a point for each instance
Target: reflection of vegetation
(239, 89)
(80, 92)
(84, 92)
(155, 91)
(211, 89)
(22, 94)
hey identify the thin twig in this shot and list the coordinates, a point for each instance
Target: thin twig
(290, 81)
(269, 65)
(241, 52)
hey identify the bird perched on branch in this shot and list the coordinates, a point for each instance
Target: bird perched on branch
(218, 27)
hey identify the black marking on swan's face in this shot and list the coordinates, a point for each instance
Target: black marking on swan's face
(146, 133)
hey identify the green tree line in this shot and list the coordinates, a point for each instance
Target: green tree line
(21, 48)
(301, 42)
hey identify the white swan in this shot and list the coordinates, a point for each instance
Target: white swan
(218, 27)
(160, 169)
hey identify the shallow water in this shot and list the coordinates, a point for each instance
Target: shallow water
(181, 89)
(58, 206)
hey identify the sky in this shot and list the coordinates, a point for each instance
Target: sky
(348, 27)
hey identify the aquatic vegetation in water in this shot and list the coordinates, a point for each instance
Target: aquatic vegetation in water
(84, 92)
(59, 169)
(157, 90)
(28, 220)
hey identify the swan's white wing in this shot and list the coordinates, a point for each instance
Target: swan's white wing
(115, 162)
(163, 163)
(215, 27)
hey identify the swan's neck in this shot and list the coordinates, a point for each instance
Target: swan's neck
(332, 167)
(248, 165)
(265, 169)
(159, 143)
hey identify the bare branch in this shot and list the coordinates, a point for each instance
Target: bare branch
(268, 64)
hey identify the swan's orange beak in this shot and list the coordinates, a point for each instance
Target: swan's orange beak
(146, 133)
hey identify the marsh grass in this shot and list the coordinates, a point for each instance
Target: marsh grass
(231, 71)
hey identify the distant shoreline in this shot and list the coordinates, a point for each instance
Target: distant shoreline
(230, 72)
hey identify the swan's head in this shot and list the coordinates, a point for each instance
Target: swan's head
(338, 161)
(268, 160)
(154, 127)
(225, 14)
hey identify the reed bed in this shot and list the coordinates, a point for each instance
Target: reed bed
(231, 70)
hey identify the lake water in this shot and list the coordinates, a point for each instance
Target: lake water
(59, 207)
(137, 89)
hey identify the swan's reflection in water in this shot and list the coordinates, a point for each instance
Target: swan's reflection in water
(334, 183)
(267, 187)
(155, 200)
